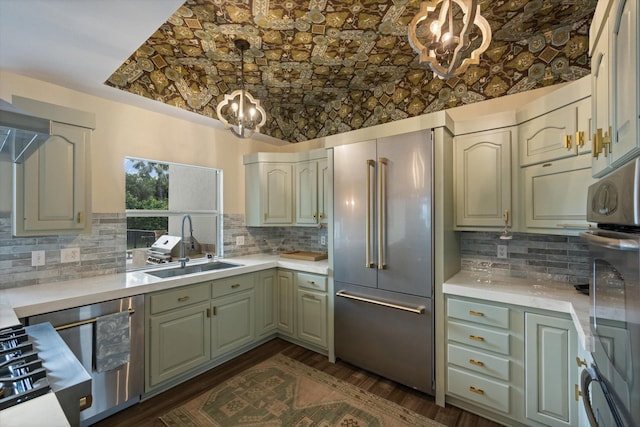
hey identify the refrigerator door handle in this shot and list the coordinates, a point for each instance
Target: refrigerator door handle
(382, 211)
(417, 310)
(371, 164)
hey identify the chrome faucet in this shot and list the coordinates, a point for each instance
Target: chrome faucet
(183, 258)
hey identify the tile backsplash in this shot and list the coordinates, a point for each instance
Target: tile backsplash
(532, 256)
(103, 251)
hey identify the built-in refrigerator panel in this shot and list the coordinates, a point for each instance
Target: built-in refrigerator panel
(405, 183)
(353, 181)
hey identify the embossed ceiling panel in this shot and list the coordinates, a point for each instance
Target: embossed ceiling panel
(322, 67)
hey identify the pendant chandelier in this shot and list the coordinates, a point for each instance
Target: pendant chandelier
(239, 111)
(451, 40)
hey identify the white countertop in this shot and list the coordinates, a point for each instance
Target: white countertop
(546, 295)
(43, 411)
(38, 299)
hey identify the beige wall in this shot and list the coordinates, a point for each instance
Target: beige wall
(125, 130)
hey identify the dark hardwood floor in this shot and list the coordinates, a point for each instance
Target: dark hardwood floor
(145, 414)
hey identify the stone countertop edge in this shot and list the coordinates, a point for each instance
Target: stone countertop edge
(560, 297)
(20, 302)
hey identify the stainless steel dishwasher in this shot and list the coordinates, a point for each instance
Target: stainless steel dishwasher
(114, 389)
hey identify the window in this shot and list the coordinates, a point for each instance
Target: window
(159, 195)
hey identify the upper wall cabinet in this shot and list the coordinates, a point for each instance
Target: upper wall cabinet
(483, 178)
(614, 44)
(286, 188)
(52, 186)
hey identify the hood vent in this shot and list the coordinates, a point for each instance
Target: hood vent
(20, 133)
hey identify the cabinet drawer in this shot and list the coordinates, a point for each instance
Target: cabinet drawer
(485, 392)
(478, 361)
(496, 341)
(476, 312)
(232, 284)
(180, 297)
(311, 281)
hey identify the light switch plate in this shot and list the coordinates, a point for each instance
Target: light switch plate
(502, 251)
(323, 240)
(239, 240)
(37, 258)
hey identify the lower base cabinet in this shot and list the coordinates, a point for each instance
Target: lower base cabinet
(512, 364)
(191, 328)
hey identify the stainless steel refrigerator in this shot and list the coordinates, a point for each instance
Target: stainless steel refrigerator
(383, 257)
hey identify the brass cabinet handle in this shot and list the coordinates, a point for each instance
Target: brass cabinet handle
(183, 299)
(321, 215)
(476, 390)
(476, 313)
(208, 312)
(476, 362)
(313, 297)
(581, 362)
(567, 142)
(215, 310)
(86, 402)
(236, 285)
(577, 393)
(580, 138)
(79, 217)
(475, 338)
(311, 282)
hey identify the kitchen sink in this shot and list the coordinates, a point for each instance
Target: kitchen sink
(191, 269)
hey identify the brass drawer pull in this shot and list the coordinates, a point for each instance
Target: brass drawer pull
(475, 338)
(581, 362)
(183, 299)
(311, 282)
(476, 313)
(476, 363)
(577, 393)
(313, 297)
(476, 390)
(86, 402)
(237, 285)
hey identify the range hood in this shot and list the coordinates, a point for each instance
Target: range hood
(21, 134)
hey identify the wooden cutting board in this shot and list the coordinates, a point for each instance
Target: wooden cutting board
(307, 256)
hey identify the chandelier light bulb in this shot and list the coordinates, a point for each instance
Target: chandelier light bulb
(434, 27)
(234, 107)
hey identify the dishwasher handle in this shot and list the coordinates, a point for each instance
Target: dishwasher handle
(84, 322)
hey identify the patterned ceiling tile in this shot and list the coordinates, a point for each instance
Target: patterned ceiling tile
(322, 67)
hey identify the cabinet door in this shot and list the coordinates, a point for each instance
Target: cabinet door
(624, 49)
(324, 190)
(312, 317)
(266, 311)
(232, 322)
(542, 139)
(483, 178)
(307, 192)
(550, 352)
(556, 194)
(268, 194)
(600, 98)
(285, 302)
(178, 342)
(51, 187)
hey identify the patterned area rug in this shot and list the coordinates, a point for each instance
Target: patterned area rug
(283, 392)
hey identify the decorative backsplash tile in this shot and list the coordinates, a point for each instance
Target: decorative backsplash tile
(532, 256)
(103, 251)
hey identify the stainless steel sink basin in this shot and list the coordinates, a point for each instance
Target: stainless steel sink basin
(191, 269)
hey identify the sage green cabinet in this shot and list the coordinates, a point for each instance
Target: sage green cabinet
(312, 191)
(52, 185)
(178, 336)
(266, 302)
(482, 178)
(285, 303)
(312, 309)
(550, 353)
(269, 194)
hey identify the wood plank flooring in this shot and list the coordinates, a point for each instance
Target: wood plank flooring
(145, 414)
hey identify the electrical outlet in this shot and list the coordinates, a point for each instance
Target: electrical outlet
(239, 240)
(37, 258)
(323, 240)
(502, 251)
(70, 255)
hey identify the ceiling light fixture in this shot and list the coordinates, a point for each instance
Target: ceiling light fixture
(239, 111)
(449, 41)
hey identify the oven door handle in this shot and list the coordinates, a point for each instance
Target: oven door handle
(611, 243)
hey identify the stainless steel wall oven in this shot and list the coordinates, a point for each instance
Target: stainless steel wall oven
(611, 385)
